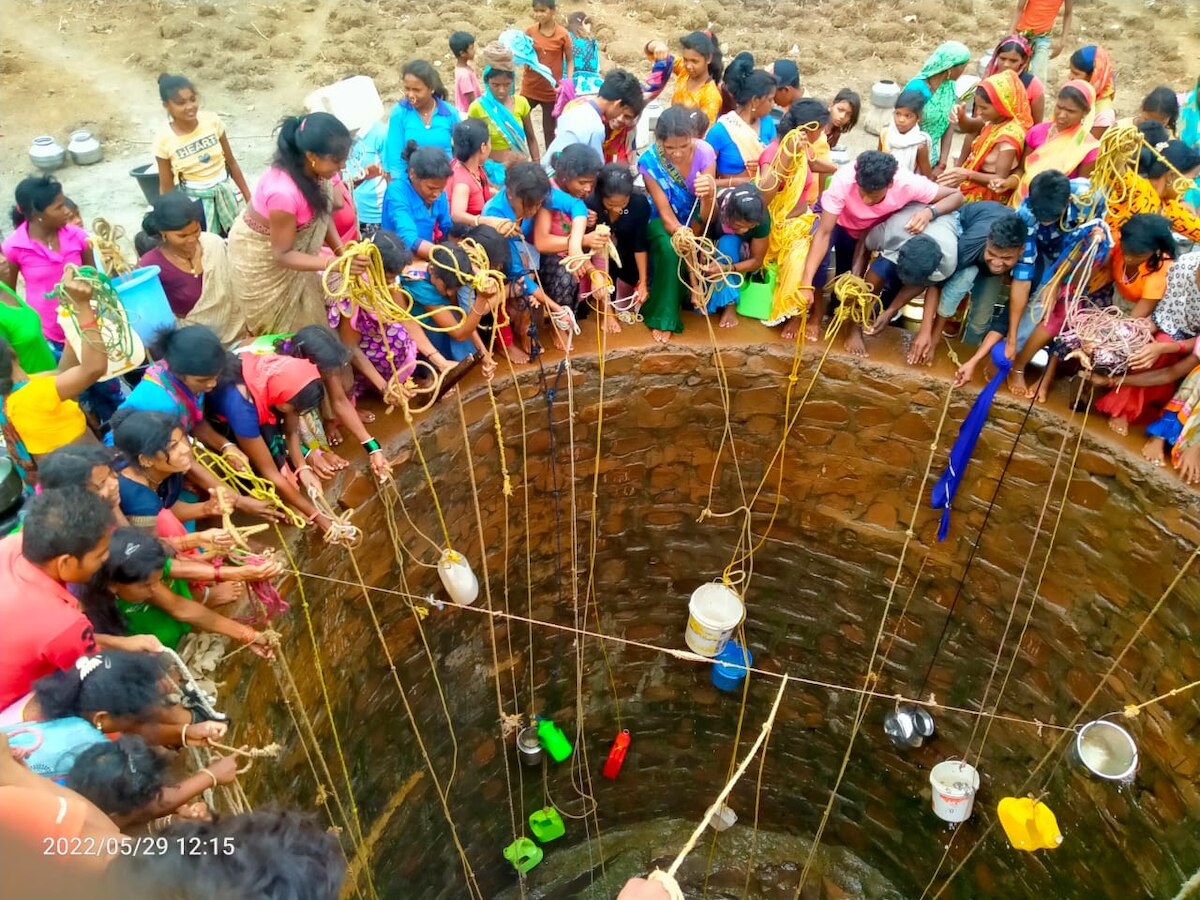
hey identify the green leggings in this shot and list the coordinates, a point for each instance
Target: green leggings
(667, 291)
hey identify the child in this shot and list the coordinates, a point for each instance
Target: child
(466, 82)
(554, 232)
(364, 173)
(741, 232)
(697, 73)
(627, 214)
(552, 43)
(586, 53)
(903, 137)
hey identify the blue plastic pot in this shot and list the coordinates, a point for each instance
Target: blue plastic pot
(729, 666)
(141, 293)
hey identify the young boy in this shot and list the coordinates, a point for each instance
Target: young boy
(466, 83)
(1035, 20)
(552, 43)
(903, 137)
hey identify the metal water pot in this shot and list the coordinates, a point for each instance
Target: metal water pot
(46, 153)
(84, 148)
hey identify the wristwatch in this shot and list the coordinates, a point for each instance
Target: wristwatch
(932, 211)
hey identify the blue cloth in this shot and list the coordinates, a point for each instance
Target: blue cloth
(54, 745)
(964, 445)
(407, 214)
(227, 405)
(502, 117)
(523, 258)
(142, 500)
(673, 183)
(525, 54)
(153, 397)
(405, 124)
(730, 250)
(426, 297)
(367, 151)
(729, 157)
(1168, 427)
(1046, 240)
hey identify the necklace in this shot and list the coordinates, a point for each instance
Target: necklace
(189, 264)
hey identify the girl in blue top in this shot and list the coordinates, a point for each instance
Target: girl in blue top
(415, 205)
(740, 136)
(423, 116)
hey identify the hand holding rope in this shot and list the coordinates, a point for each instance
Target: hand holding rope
(105, 240)
(113, 334)
(248, 483)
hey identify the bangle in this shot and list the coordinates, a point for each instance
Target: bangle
(303, 469)
(225, 446)
(183, 736)
(209, 773)
(216, 564)
(933, 211)
(371, 445)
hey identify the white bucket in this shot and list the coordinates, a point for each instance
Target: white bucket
(354, 100)
(954, 785)
(722, 819)
(714, 611)
(457, 578)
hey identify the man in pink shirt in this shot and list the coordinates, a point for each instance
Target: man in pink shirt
(861, 196)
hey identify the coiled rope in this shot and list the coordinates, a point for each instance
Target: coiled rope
(114, 336)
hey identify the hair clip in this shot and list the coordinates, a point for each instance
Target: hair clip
(132, 549)
(86, 665)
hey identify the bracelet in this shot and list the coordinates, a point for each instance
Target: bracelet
(209, 773)
(225, 446)
(303, 469)
(183, 736)
(371, 445)
(216, 564)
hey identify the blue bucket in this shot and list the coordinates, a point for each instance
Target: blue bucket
(729, 666)
(145, 302)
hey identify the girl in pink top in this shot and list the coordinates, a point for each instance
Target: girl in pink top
(42, 245)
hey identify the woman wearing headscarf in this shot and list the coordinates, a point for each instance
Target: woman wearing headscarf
(993, 154)
(507, 114)
(1063, 144)
(1012, 53)
(936, 81)
(1093, 65)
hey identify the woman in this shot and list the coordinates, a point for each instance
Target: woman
(415, 205)
(843, 116)
(274, 247)
(447, 298)
(993, 154)
(936, 81)
(423, 117)
(40, 248)
(1064, 144)
(627, 215)
(680, 176)
(507, 115)
(1011, 54)
(1179, 426)
(741, 230)
(739, 137)
(1093, 65)
(557, 234)
(1151, 186)
(193, 152)
(470, 188)
(697, 73)
(345, 214)
(1161, 106)
(193, 267)
(21, 326)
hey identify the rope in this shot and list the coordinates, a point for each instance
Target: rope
(270, 751)
(114, 335)
(856, 303)
(1107, 338)
(370, 291)
(1118, 145)
(105, 240)
(340, 530)
(244, 482)
(1133, 711)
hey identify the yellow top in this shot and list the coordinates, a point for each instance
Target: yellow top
(707, 98)
(499, 141)
(44, 420)
(196, 157)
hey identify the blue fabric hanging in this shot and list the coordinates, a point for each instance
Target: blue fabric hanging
(968, 436)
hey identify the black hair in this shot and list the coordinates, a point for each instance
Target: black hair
(496, 72)
(172, 211)
(699, 120)
(845, 95)
(918, 259)
(675, 122)
(64, 522)
(123, 684)
(72, 206)
(1049, 193)
(460, 42)
(494, 245)
(913, 100)
(143, 243)
(393, 252)
(308, 397)
(576, 161)
(577, 18)
(802, 112)
(1181, 157)
(1075, 96)
(8, 356)
(527, 182)
(743, 203)
(441, 259)
(614, 180)
(786, 72)
(1008, 232)
(1149, 233)
(319, 133)
(142, 432)
(1080, 62)
(170, 85)
(1012, 47)
(549, 4)
(623, 87)
(71, 466)
(34, 194)
(119, 776)
(746, 83)
(423, 70)
(190, 350)
(286, 850)
(875, 170)
(426, 162)
(320, 345)
(706, 44)
(468, 137)
(1162, 101)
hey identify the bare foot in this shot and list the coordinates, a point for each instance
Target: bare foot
(1119, 424)
(366, 415)
(516, 355)
(611, 324)
(1189, 464)
(1016, 384)
(1154, 450)
(790, 327)
(224, 593)
(812, 331)
(854, 342)
(1043, 391)
(729, 317)
(661, 337)
(333, 432)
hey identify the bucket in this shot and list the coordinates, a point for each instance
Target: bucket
(529, 746)
(714, 611)
(141, 293)
(954, 785)
(731, 666)
(147, 179)
(1106, 750)
(354, 100)
(457, 578)
(546, 824)
(757, 292)
(722, 819)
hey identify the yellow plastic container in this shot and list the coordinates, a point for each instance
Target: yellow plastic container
(1029, 825)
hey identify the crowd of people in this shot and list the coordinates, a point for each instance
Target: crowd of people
(499, 213)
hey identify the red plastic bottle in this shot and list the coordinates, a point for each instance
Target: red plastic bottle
(616, 756)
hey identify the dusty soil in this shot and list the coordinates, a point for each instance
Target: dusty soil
(68, 64)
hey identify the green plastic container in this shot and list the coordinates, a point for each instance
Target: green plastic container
(757, 293)
(524, 854)
(546, 824)
(553, 740)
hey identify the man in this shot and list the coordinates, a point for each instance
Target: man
(1034, 19)
(861, 196)
(990, 242)
(64, 541)
(787, 87)
(618, 103)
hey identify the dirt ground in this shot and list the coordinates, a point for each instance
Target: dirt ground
(68, 64)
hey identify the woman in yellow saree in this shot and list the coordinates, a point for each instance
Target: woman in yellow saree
(993, 154)
(1065, 143)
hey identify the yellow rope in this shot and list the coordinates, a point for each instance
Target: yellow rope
(437, 506)
(856, 303)
(244, 482)
(1134, 710)
(1118, 147)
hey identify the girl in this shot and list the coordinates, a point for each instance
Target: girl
(556, 233)
(506, 115)
(1011, 54)
(552, 44)
(193, 266)
(739, 137)
(697, 73)
(42, 245)
(274, 246)
(1093, 65)
(627, 215)
(1065, 143)
(680, 176)
(843, 116)
(415, 205)
(446, 293)
(193, 152)
(936, 82)
(423, 117)
(586, 54)
(743, 227)
(1161, 106)
(1150, 186)
(992, 155)
(469, 187)
(903, 137)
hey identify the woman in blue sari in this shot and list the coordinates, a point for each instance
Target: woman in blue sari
(506, 114)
